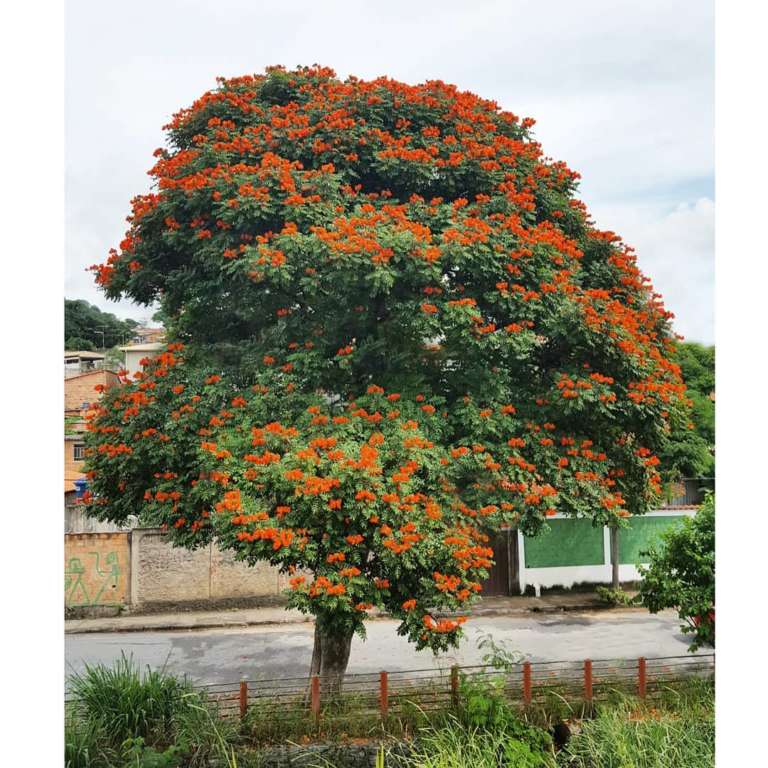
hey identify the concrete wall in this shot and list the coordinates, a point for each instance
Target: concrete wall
(96, 569)
(140, 569)
(162, 573)
(76, 521)
(574, 552)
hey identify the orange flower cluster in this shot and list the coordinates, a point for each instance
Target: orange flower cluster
(443, 626)
(324, 585)
(279, 538)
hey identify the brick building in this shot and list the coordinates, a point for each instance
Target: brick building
(82, 373)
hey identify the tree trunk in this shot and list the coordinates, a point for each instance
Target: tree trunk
(330, 656)
(314, 667)
(614, 533)
(334, 657)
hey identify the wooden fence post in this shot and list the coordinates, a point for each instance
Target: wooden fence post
(641, 677)
(455, 686)
(315, 697)
(383, 694)
(588, 680)
(527, 683)
(243, 698)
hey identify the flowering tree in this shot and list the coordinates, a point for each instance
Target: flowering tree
(396, 330)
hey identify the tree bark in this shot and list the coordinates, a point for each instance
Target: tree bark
(314, 667)
(330, 656)
(334, 657)
(614, 534)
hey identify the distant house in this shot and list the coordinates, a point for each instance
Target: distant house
(135, 353)
(78, 362)
(145, 335)
(83, 372)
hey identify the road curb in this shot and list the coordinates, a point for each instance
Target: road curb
(181, 627)
(115, 625)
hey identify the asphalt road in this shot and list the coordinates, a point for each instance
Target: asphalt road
(225, 655)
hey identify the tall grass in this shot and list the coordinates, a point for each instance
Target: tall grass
(84, 744)
(122, 717)
(677, 731)
(207, 738)
(455, 746)
(126, 704)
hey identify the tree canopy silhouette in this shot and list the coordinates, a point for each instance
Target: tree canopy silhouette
(395, 329)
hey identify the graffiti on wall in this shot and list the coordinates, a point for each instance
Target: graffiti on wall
(93, 578)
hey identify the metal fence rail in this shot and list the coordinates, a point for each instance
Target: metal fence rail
(382, 694)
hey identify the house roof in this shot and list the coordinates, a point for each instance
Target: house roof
(150, 347)
(84, 354)
(94, 372)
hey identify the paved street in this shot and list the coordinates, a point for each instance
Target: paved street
(224, 655)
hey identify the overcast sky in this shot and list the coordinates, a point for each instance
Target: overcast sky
(622, 92)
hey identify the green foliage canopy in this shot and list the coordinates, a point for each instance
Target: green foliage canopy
(84, 325)
(697, 364)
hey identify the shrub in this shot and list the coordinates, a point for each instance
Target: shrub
(140, 755)
(681, 574)
(484, 707)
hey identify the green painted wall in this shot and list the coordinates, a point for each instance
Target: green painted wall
(643, 532)
(569, 542)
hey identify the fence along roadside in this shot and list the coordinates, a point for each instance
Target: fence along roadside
(382, 693)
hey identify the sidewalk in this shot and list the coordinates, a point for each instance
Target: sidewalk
(253, 617)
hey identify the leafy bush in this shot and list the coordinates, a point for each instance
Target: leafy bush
(681, 574)
(497, 655)
(140, 755)
(484, 707)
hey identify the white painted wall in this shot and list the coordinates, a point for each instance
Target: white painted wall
(136, 352)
